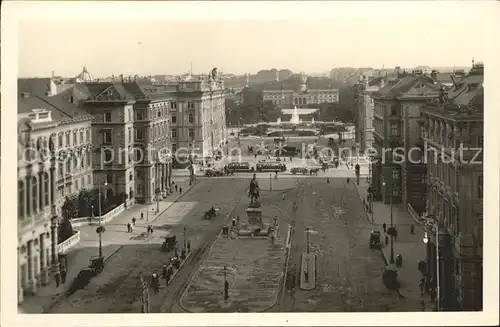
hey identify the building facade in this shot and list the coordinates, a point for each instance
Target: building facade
(365, 108)
(394, 131)
(454, 133)
(54, 151)
(131, 128)
(198, 116)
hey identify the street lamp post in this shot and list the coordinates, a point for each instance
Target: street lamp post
(270, 181)
(226, 284)
(426, 240)
(392, 225)
(185, 239)
(100, 219)
(157, 194)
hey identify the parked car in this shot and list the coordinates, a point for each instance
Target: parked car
(299, 170)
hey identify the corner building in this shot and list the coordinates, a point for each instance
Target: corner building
(47, 128)
(198, 116)
(454, 133)
(130, 128)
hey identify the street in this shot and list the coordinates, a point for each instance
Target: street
(117, 289)
(348, 272)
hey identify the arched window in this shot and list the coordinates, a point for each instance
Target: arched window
(46, 192)
(20, 199)
(34, 194)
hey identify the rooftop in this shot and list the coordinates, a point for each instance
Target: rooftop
(40, 86)
(60, 109)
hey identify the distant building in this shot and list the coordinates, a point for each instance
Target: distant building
(302, 98)
(47, 125)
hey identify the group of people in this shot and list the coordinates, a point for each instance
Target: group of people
(168, 270)
(131, 226)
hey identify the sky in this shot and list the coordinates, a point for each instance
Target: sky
(147, 47)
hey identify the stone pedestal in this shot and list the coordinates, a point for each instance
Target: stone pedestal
(254, 217)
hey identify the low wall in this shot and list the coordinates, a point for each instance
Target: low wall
(84, 221)
(69, 243)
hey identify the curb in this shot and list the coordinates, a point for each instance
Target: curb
(62, 295)
(175, 201)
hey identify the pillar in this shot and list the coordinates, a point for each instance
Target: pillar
(52, 184)
(32, 282)
(44, 265)
(53, 248)
(20, 271)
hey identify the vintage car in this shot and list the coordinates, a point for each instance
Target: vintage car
(299, 170)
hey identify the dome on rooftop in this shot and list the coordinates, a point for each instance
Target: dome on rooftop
(84, 76)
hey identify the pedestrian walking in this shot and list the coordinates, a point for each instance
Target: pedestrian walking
(395, 235)
(151, 229)
(129, 228)
(142, 215)
(180, 189)
(176, 187)
(133, 221)
(384, 226)
(189, 246)
(412, 229)
(386, 239)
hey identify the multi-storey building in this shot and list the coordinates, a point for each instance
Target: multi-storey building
(290, 98)
(395, 109)
(48, 127)
(454, 134)
(131, 136)
(198, 116)
(365, 106)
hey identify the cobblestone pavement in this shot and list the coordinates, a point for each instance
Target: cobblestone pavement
(348, 272)
(254, 268)
(117, 289)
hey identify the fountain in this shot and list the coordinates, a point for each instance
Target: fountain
(295, 116)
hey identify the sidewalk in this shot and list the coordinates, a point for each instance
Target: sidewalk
(410, 246)
(112, 240)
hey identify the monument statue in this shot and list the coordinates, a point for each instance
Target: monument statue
(253, 191)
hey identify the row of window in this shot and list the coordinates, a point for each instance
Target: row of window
(36, 192)
(80, 137)
(74, 164)
(78, 185)
(190, 118)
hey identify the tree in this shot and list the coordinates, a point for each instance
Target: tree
(69, 211)
(84, 203)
